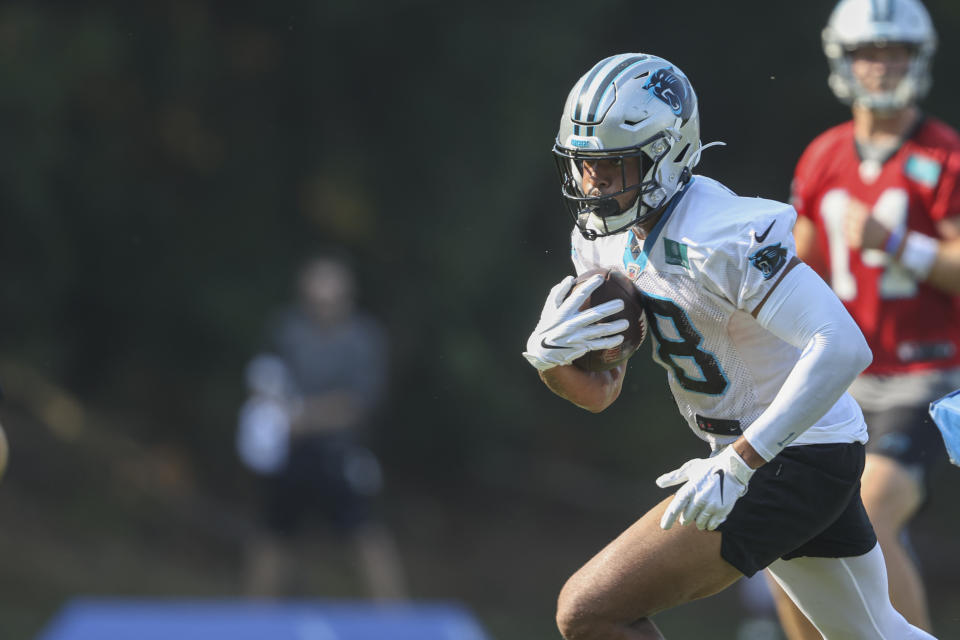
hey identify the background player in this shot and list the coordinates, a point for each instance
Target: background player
(730, 311)
(878, 200)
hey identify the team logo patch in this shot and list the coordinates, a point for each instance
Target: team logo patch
(676, 253)
(673, 90)
(769, 260)
(921, 169)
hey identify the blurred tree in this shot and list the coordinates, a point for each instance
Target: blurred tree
(166, 166)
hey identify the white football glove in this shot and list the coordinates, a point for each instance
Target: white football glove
(712, 487)
(565, 333)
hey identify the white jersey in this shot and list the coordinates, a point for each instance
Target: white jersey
(706, 266)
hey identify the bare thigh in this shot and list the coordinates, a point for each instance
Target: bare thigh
(646, 570)
(891, 494)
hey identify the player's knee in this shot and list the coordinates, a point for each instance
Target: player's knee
(580, 615)
(4, 452)
(573, 623)
(889, 512)
(888, 532)
(576, 617)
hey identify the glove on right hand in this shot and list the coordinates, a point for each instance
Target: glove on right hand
(565, 333)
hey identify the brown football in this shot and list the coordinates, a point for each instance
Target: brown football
(615, 285)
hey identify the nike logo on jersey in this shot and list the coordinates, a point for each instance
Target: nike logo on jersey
(719, 472)
(763, 236)
(547, 345)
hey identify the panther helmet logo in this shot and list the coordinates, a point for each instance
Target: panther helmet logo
(671, 89)
(769, 260)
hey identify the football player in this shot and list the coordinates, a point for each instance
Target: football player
(878, 199)
(758, 353)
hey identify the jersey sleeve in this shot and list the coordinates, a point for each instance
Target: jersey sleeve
(946, 203)
(803, 184)
(746, 265)
(805, 313)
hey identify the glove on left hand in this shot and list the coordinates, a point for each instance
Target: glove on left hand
(712, 487)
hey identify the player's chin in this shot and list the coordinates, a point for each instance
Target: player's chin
(628, 200)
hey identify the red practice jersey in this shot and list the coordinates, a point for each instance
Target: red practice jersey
(909, 325)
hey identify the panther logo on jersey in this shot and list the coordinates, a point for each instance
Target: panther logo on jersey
(673, 90)
(769, 260)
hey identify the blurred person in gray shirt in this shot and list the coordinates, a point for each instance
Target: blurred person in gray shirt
(313, 394)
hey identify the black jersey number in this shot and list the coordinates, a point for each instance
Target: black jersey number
(671, 351)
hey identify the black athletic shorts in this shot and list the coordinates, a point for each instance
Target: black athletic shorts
(326, 476)
(804, 502)
(908, 435)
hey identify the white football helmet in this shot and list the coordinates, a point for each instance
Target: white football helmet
(628, 105)
(855, 23)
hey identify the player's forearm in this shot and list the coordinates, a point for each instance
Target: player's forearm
(930, 260)
(750, 455)
(945, 272)
(593, 391)
(815, 384)
(809, 316)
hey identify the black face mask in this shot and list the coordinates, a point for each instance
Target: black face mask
(584, 208)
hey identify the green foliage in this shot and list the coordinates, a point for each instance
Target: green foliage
(167, 166)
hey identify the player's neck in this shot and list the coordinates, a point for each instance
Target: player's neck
(642, 229)
(883, 129)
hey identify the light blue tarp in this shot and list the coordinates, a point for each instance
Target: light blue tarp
(946, 414)
(122, 619)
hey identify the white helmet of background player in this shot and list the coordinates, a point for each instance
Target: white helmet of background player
(628, 105)
(855, 23)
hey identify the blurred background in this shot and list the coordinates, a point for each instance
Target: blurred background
(167, 168)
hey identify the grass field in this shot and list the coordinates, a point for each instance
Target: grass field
(85, 525)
